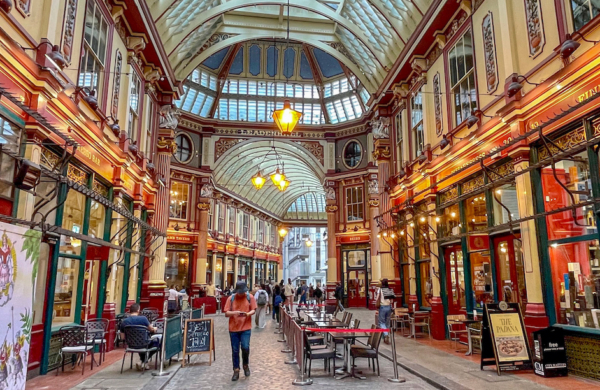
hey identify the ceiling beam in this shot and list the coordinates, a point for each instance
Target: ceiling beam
(317, 77)
(222, 77)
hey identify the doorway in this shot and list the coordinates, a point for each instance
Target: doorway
(356, 277)
(455, 276)
(510, 269)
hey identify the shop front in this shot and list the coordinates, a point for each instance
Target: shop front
(177, 265)
(356, 274)
(244, 266)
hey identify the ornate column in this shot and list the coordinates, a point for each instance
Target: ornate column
(535, 313)
(332, 261)
(165, 148)
(236, 259)
(253, 273)
(134, 260)
(200, 280)
(412, 272)
(438, 330)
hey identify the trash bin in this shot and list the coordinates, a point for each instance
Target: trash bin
(550, 355)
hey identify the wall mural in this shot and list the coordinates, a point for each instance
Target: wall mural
(535, 28)
(489, 44)
(19, 256)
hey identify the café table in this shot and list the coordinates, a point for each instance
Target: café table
(413, 332)
(330, 324)
(466, 323)
(346, 371)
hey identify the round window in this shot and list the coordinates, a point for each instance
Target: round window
(352, 154)
(184, 148)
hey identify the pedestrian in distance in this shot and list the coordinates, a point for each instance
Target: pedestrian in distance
(277, 301)
(339, 295)
(318, 294)
(289, 294)
(303, 293)
(239, 309)
(262, 300)
(269, 291)
(383, 303)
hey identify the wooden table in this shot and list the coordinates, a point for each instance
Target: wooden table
(413, 332)
(466, 323)
(330, 324)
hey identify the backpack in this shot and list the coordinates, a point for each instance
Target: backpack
(278, 300)
(262, 298)
(233, 298)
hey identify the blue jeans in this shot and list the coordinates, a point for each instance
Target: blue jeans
(238, 338)
(385, 313)
(303, 299)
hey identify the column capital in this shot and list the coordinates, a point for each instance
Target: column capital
(204, 206)
(332, 208)
(166, 145)
(374, 202)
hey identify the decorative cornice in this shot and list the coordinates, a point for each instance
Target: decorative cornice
(314, 148)
(331, 208)
(222, 145)
(166, 145)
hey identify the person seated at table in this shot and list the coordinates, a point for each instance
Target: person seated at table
(136, 319)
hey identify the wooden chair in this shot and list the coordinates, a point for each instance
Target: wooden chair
(456, 328)
(420, 320)
(370, 351)
(401, 317)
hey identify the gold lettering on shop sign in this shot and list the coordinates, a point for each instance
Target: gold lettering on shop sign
(588, 94)
(90, 156)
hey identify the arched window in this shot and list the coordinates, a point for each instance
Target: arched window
(184, 148)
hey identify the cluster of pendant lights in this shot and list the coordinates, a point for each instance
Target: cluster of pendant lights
(286, 120)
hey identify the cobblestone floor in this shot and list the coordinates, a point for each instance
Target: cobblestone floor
(269, 370)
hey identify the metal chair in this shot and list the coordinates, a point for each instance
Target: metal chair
(420, 320)
(185, 315)
(96, 334)
(138, 341)
(327, 354)
(118, 336)
(151, 313)
(401, 317)
(370, 351)
(74, 341)
(456, 328)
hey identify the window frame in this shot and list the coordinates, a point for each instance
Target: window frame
(134, 115)
(459, 38)
(362, 153)
(187, 201)
(418, 127)
(357, 206)
(569, 6)
(192, 148)
(399, 141)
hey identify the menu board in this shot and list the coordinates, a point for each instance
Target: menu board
(198, 338)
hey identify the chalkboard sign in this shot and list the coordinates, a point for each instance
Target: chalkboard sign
(198, 338)
(503, 338)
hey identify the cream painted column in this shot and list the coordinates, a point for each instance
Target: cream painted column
(332, 277)
(33, 152)
(433, 248)
(535, 313)
(253, 273)
(375, 244)
(236, 260)
(411, 230)
(213, 263)
(115, 257)
(134, 259)
(201, 260)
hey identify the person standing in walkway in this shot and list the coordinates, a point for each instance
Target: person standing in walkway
(318, 294)
(210, 290)
(383, 302)
(239, 309)
(303, 293)
(289, 294)
(262, 300)
(269, 291)
(339, 295)
(277, 301)
(173, 299)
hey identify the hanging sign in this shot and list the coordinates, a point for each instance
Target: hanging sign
(504, 340)
(19, 256)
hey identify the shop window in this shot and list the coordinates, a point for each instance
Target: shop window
(476, 213)
(576, 281)
(10, 142)
(416, 119)
(65, 291)
(457, 277)
(245, 226)
(185, 148)
(575, 175)
(424, 241)
(462, 78)
(481, 276)
(73, 219)
(210, 214)
(399, 141)
(354, 204)
(177, 269)
(511, 270)
(134, 105)
(179, 200)
(220, 217)
(352, 154)
(97, 215)
(231, 220)
(584, 11)
(507, 194)
(406, 282)
(425, 281)
(91, 69)
(450, 221)
(261, 231)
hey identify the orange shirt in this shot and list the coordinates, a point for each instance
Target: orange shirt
(240, 324)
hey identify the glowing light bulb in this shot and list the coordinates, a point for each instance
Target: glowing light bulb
(453, 215)
(437, 219)
(287, 117)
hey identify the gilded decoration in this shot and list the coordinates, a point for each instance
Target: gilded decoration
(382, 153)
(565, 142)
(100, 188)
(224, 144)
(489, 44)
(166, 145)
(535, 28)
(381, 127)
(181, 176)
(456, 23)
(374, 202)
(180, 247)
(114, 108)
(331, 208)
(502, 171)
(472, 184)
(583, 358)
(437, 101)
(204, 206)
(449, 195)
(23, 6)
(77, 175)
(49, 159)
(596, 126)
(69, 29)
(169, 117)
(271, 133)
(314, 148)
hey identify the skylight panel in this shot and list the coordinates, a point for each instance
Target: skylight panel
(198, 103)
(243, 87)
(339, 109)
(243, 110)
(308, 92)
(189, 100)
(207, 106)
(223, 109)
(252, 90)
(348, 108)
(252, 110)
(356, 105)
(233, 114)
(261, 114)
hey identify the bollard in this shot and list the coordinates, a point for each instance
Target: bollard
(396, 378)
(302, 381)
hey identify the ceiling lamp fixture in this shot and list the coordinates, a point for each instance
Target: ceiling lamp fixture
(283, 232)
(308, 242)
(286, 118)
(283, 185)
(277, 177)
(258, 180)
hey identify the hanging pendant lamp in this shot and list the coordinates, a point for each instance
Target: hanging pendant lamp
(258, 180)
(277, 177)
(286, 118)
(283, 184)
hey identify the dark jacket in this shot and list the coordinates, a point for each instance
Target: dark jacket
(318, 293)
(339, 292)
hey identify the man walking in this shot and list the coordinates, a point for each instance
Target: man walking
(239, 309)
(318, 295)
(339, 295)
(303, 293)
(289, 294)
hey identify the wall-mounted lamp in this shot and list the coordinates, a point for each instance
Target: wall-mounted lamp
(569, 45)
(474, 117)
(515, 86)
(55, 56)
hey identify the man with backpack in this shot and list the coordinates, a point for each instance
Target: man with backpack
(262, 300)
(239, 309)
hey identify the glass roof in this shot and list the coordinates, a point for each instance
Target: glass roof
(310, 206)
(253, 89)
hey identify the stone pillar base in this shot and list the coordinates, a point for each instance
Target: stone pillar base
(438, 327)
(535, 318)
(109, 313)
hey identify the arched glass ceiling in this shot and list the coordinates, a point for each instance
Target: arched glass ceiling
(253, 89)
(310, 206)
(234, 170)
